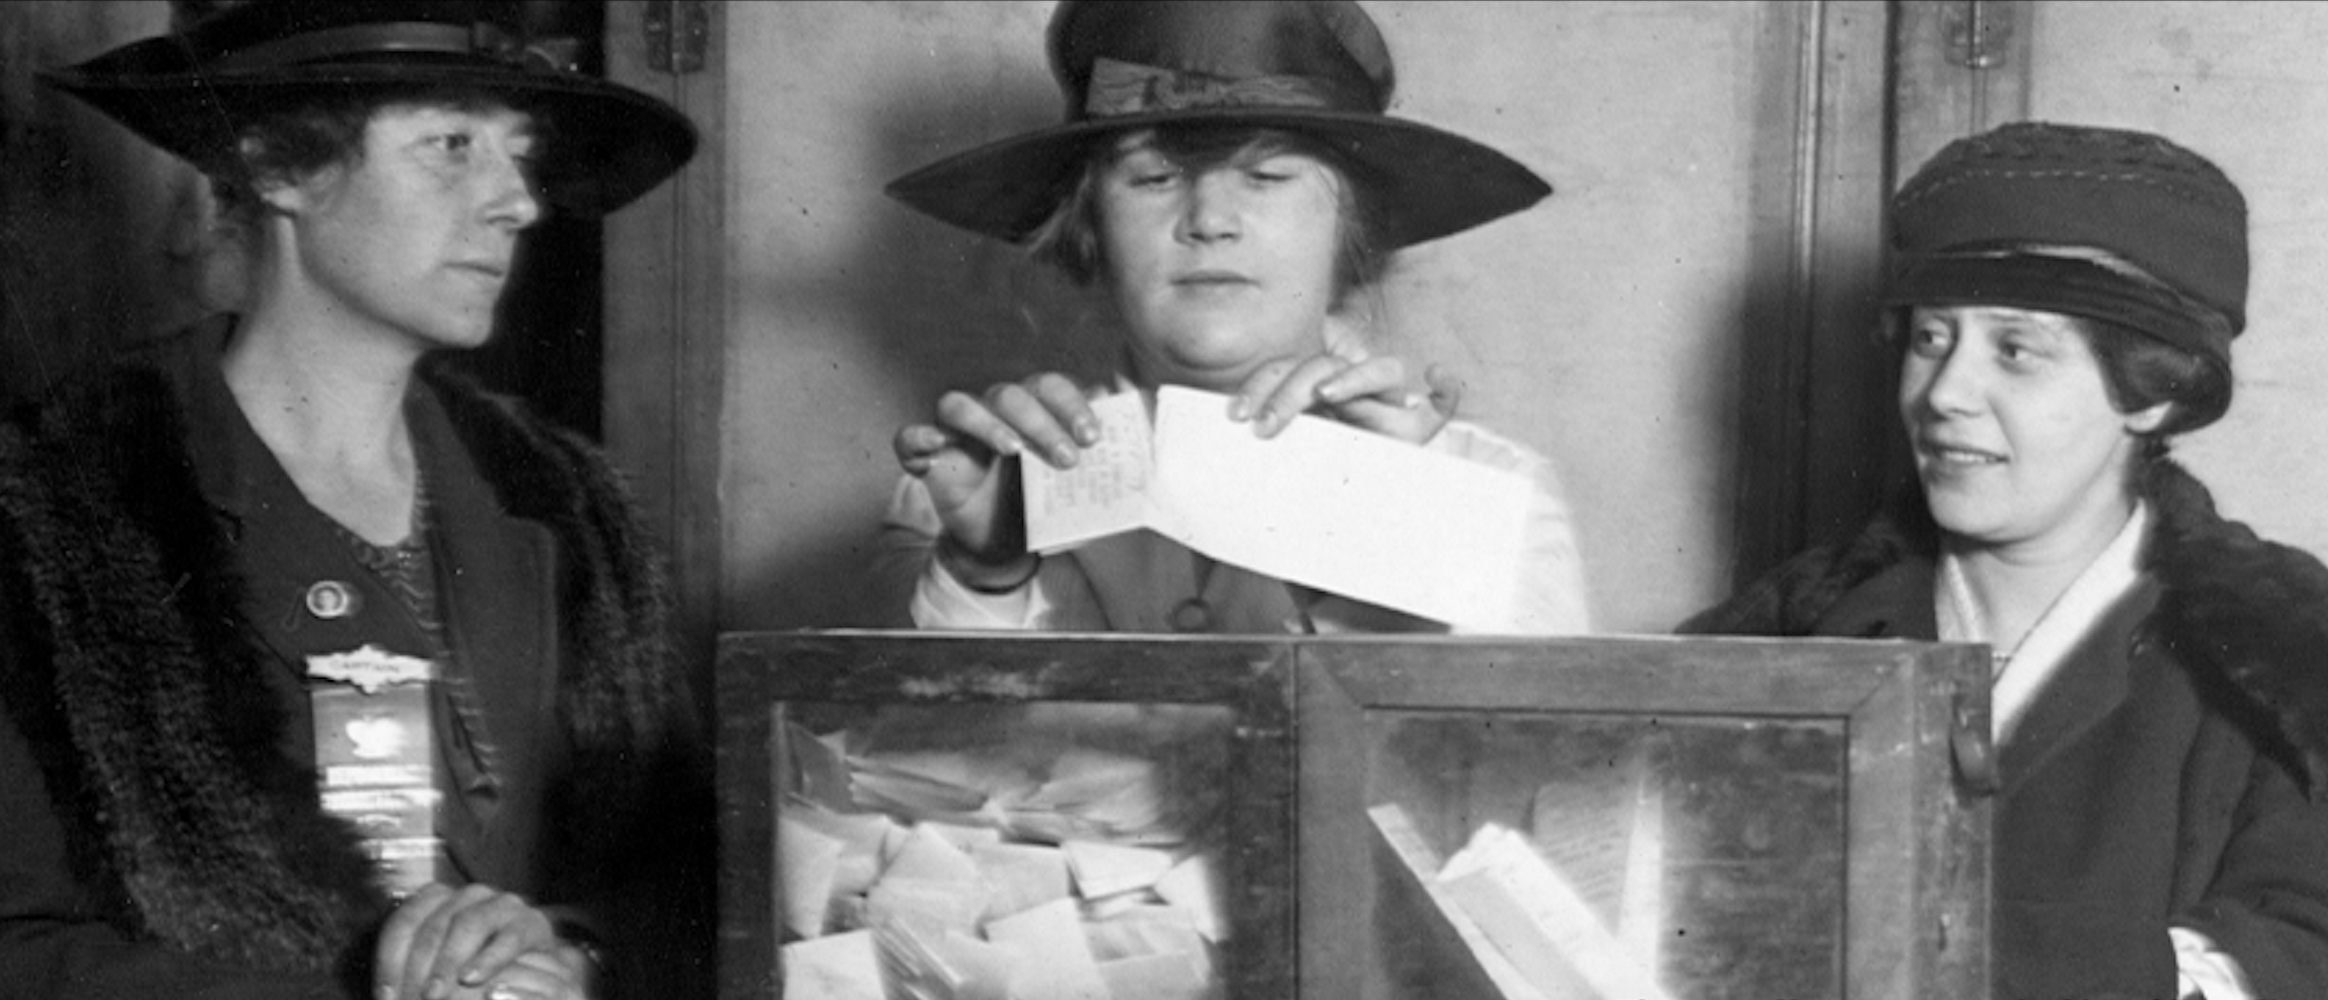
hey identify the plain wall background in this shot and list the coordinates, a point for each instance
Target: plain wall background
(2244, 85)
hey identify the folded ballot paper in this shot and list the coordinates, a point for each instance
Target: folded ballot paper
(1321, 504)
(1528, 926)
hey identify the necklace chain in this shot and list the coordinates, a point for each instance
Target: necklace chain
(1973, 624)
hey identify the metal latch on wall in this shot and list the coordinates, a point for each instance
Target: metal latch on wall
(677, 33)
(1979, 32)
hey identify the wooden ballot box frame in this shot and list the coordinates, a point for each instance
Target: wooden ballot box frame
(1305, 868)
(762, 675)
(1912, 718)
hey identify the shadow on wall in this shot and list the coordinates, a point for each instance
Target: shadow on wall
(106, 240)
(927, 308)
(549, 335)
(1815, 425)
(102, 236)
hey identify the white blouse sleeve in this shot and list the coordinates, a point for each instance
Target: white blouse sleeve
(1552, 597)
(2204, 971)
(909, 539)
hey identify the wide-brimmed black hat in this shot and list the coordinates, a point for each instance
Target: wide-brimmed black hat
(1314, 67)
(189, 91)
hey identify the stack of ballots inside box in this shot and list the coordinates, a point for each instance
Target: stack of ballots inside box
(1073, 858)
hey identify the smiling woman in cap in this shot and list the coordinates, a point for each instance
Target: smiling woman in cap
(1229, 175)
(2066, 298)
(327, 673)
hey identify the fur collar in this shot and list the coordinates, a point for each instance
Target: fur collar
(181, 808)
(2232, 606)
(128, 668)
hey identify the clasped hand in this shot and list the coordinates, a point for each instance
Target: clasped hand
(1046, 414)
(476, 943)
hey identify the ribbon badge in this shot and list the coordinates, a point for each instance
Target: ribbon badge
(1122, 88)
(370, 668)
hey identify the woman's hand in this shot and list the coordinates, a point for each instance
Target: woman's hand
(559, 974)
(1378, 394)
(446, 943)
(959, 457)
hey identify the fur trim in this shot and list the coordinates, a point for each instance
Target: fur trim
(622, 695)
(178, 802)
(2247, 609)
(1791, 599)
(2235, 607)
(218, 844)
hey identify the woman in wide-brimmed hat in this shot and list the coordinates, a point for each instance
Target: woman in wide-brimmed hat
(2065, 299)
(1228, 175)
(328, 674)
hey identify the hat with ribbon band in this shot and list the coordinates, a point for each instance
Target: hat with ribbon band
(190, 91)
(1318, 68)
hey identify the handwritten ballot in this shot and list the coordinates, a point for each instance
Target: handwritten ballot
(1322, 504)
(1422, 864)
(1605, 828)
(1526, 923)
(1536, 917)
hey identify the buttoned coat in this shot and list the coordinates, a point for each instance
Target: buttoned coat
(2171, 772)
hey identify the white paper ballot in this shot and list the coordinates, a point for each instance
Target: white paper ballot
(1050, 959)
(1422, 863)
(1539, 921)
(1108, 490)
(840, 967)
(1322, 504)
(806, 864)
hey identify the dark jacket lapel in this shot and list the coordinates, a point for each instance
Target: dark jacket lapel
(498, 575)
(2090, 685)
(215, 840)
(2232, 607)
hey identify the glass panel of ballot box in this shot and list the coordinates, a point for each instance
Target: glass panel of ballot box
(990, 817)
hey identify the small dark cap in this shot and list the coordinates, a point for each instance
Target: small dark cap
(2139, 198)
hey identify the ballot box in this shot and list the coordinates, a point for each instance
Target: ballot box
(1641, 819)
(1144, 817)
(929, 815)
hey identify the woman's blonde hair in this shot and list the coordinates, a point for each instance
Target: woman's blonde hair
(1069, 239)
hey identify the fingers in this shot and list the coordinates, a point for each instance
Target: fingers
(1383, 381)
(1446, 390)
(1280, 391)
(490, 935)
(443, 939)
(1068, 405)
(398, 938)
(1378, 394)
(1046, 412)
(975, 496)
(919, 445)
(554, 974)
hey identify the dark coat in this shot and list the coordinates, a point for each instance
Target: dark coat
(136, 686)
(2172, 772)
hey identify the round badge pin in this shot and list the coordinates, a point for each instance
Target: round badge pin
(330, 599)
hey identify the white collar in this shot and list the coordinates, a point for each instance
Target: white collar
(2024, 670)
